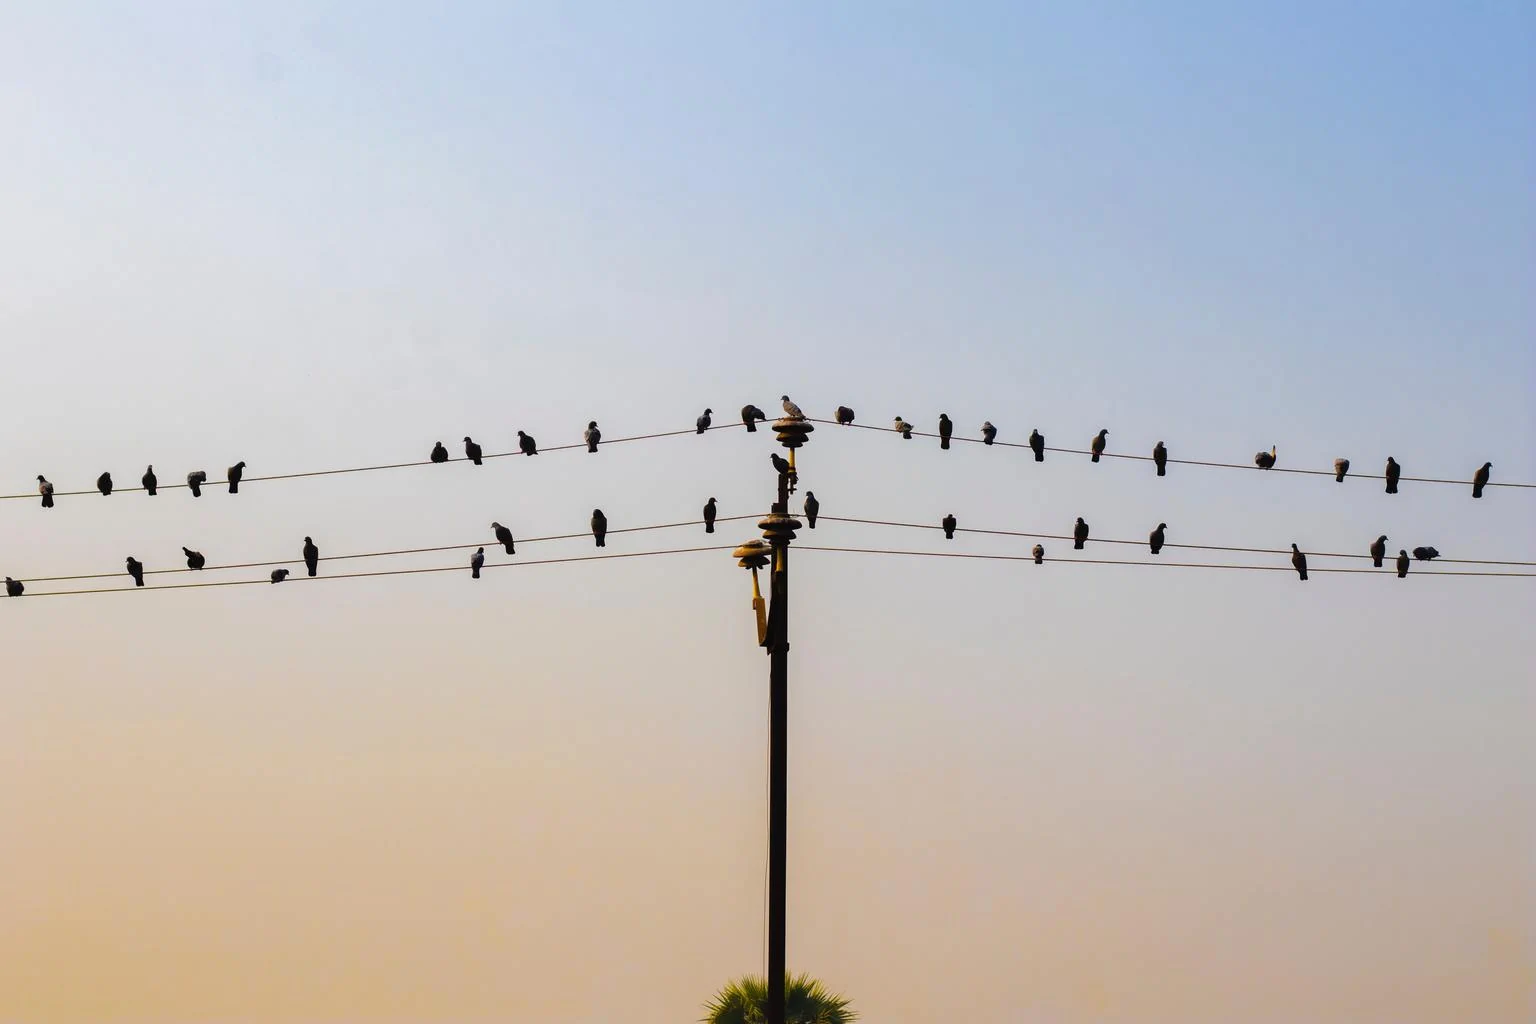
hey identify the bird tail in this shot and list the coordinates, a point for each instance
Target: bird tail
(1339, 476)
(1077, 545)
(709, 527)
(602, 541)
(138, 581)
(1039, 456)
(591, 446)
(313, 570)
(474, 572)
(1095, 456)
(1377, 562)
(751, 426)
(197, 490)
(1391, 486)
(944, 443)
(1303, 574)
(1162, 470)
(234, 487)
(510, 550)
(1477, 490)
(47, 501)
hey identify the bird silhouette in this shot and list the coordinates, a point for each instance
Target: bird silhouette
(946, 428)
(311, 556)
(1379, 550)
(1340, 469)
(104, 484)
(526, 444)
(812, 509)
(195, 481)
(195, 559)
(791, 409)
(1266, 460)
(780, 463)
(1079, 534)
(1402, 563)
(1299, 561)
(1393, 472)
(905, 428)
(233, 475)
(439, 453)
(1097, 445)
(988, 432)
(592, 435)
(751, 416)
(844, 415)
(150, 481)
(1480, 479)
(1426, 554)
(504, 537)
(1160, 456)
(1039, 552)
(1156, 540)
(136, 570)
(948, 522)
(599, 527)
(278, 575)
(46, 490)
(702, 423)
(472, 451)
(14, 588)
(476, 561)
(709, 516)
(1037, 442)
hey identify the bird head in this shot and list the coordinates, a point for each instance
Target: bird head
(711, 501)
(466, 439)
(592, 424)
(308, 540)
(1104, 432)
(1079, 520)
(783, 398)
(1487, 465)
(521, 434)
(495, 526)
(1162, 526)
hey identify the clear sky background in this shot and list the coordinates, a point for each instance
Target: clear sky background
(315, 235)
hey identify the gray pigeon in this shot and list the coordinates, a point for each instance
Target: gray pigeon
(988, 432)
(1097, 445)
(1299, 560)
(791, 409)
(136, 570)
(1379, 550)
(1160, 456)
(844, 415)
(599, 527)
(14, 588)
(476, 562)
(1480, 479)
(1156, 540)
(46, 490)
(948, 522)
(439, 453)
(526, 444)
(1426, 554)
(1266, 460)
(1037, 442)
(150, 481)
(905, 428)
(780, 463)
(472, 451)
(278, 575)
(812, 509)
(702, 423)
(751, 416)
(104, 484)
(504, 537)
(592, 435)
(1039, 552)
(946, 428)
(195, 481)
(709, 516)
(1393, 472)
(1402, 564)
(195, 559)
(311, 556)
(233, 475)
(1079, 534)
(1340, 469)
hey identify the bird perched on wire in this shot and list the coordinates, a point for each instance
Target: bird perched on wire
(1037, 442)
(709, 516)
(195, 481)
(1340, 469)
(1079, 534)
(751, 416)
(1096, 446)
(1392, 473)
(791, 409)
(1480, 479)
(844, 415)
(1266, 460)
(439, 453)
(1298, 561)
(988, 432)
(1379, 550)
(46, 490)
(233, 475)
(946, 428)
(1155, 541)
(150, 481)
(504, 537)
(526, 444)
(702, 423)
(948, 522)
(1426, 554)
(14, 588)
(1039, 552)
(136, 570)
(278, 575)
(476, 562)
(472, 451)
(812, 509)
(592, 436)
(311, 556)
(599, 527)
(195, 559)
(1160, 456)
(1402, 563)
(905, 428)
(104, 484)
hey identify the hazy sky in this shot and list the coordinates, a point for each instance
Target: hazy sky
(315, 235)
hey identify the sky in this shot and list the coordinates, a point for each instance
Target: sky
(326, 235)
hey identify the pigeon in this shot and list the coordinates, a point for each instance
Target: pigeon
(1079, 534)
(1379, 550)
(791, 409)
(195, 481)
(812, 508)
(1480, 479)
(599, 527)
(1340, 468)
(1160, 456)
(278, 575)
(233, 475)
(709, 516)
(14, 588)
(311, 556)
(1039, 552)
(905, 428)
(780, 463)
(1266, 460)
(472, 451)
(1299, 560)
(46, 490)
(988, 432)
(945, 429)
(150, 481)
(1402, 563)
(195, 559)
(1096, 446)
(592, 435)
(526, 444)
(1156, 540)
(844, 415)
(1393, 472)
(504, 537)
(104, 484)
(476, 560)
(136, 570)
(702, 423)
(948, 522)
(750, 416)
(1426, 554)
(439, 453)
(1037, 442)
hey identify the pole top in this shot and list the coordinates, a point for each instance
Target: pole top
(793, 431)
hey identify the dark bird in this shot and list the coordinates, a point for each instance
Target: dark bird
(812, 509)
(905, 428)
(472, 452)
(1402, 564)
(599, 527)
(791, 409)
(1393, 472)
(1039, 552)
(751, 415)
(504, 537)
(592, 435)
(1156, 540)
(233, 475)
(1097, 445)
(46, 490)
(948, 522)
(1160, 456)
(476, 561)
(1298, 560)
(195, 559)
(150, 481)
(946, 428)
(703, 422)
(278, 575)
(1266, 460)
(1480, 479)
(1426, 554)
(1379, 550)
(780, 463)
(14, 588)
(1340, 469)
(527, 445)
(104, 484)
(709, 516)
(195, 481)
(311, 556)
(136, 570)
(439, 453)
(1079, 534)
(844, 415)
(988, 432)
(1037, 442)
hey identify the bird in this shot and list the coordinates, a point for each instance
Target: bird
(1379, 550)
(988, 432)
(1160, 456)
(195, 559)
(791, 409)
(751, 415)
(1037, 442)
(703, 422)
(1426, 554)
(504, 537)
(1266, 460)
(233, 475)
(905, 428)
(812, 508)
(439, 453)
(1039, 552)
(150, 481)
(472, 451)
(945, 429)
(1393, 472)
(278, 575)
(1299, 560)
(526, 444)
(1480, 479)
(1097, 444)
(195, 481)
(592, 435)
(136, 570)
(844, 415)
(1340, 468)
(104, 484)
(46, 490)
(780, 463)
(1156, 540)
(599, 527)
(14, 588)
(709, 516)
(311, 556)
(1402, 563)
(476, 560)
(1079, 534)
(948, 522)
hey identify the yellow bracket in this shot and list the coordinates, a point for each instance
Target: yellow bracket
(791, 460)
(761, 608)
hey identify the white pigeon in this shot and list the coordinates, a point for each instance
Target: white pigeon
(791, 409)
